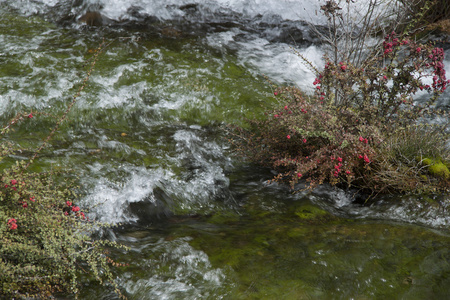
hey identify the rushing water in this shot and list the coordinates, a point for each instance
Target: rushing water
(146, 141)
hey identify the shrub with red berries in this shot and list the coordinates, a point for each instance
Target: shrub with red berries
(348, 132)
(44, 236)
(37, 219)
(385, 84)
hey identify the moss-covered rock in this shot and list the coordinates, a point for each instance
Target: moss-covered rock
(437, 168)
(313, 214)
(308, 212)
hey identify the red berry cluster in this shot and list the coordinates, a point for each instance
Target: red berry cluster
(12, 224)
(439, 80)
(365, 157)
(390, 41)
(317, 83)
(74, 209)
(337, 167)
(13, 186)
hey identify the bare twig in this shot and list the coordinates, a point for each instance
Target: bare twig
(94, 59)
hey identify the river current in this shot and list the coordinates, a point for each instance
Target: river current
(146, 141)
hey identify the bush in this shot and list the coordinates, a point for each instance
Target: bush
(360, 128)
(307, 139)
(46, 239)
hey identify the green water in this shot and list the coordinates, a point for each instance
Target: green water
(275, 249)
(148, 126)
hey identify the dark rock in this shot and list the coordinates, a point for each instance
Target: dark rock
(91, 18)
(154, 208)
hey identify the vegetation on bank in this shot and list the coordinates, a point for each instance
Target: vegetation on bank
(433, 15)
(46, 239)
(368, 124)
(362, 127)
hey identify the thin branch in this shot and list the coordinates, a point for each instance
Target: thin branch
(100, 49)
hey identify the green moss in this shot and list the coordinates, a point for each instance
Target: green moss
(427, 161)
(436, 168)
(309, 212)
(439, 170)
(299, 260)
(224, 218)
(424, 177)
(296, 232)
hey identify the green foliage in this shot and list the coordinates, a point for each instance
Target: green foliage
(46, 239)
(384, 85)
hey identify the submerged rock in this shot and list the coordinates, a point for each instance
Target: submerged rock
(152, 208)
(310, 212)
(91, 18)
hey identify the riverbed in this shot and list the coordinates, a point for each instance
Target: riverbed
(146, 142)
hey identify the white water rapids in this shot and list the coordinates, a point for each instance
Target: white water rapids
(145, 141)
(257, 49)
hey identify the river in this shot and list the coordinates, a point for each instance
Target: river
(146, 141)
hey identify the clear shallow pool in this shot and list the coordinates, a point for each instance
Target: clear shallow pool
(146, 141)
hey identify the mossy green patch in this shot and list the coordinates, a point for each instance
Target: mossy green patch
(224, 218)
(310, 213)
(437, 168)
(23, 26)
(278, 255)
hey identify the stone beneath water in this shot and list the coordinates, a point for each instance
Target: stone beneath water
(153, 208)
(312, 213)
(91, 18)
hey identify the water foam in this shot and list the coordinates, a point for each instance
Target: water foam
(177, 270)
(406, 209)
(196, 180)
(110, 198)
(170, 9)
